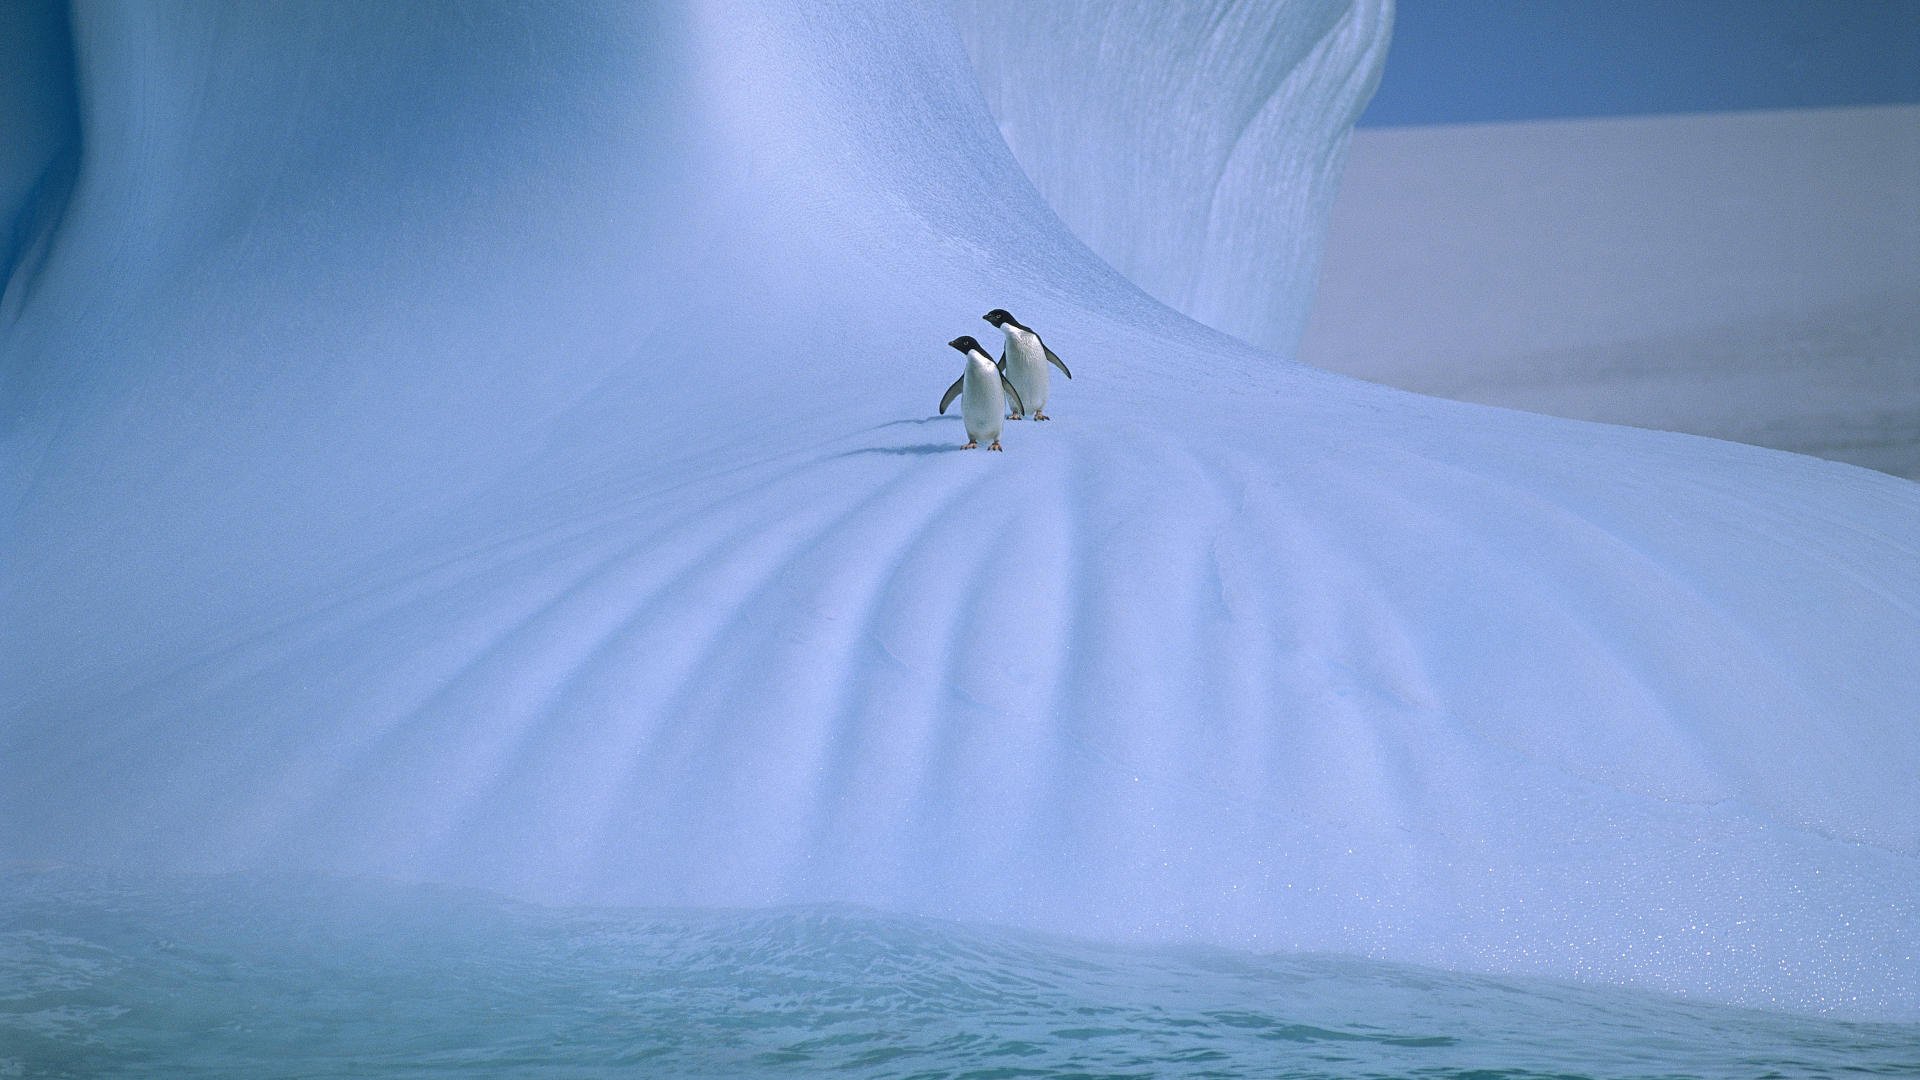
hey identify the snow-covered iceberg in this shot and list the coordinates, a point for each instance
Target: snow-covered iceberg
(496, 444)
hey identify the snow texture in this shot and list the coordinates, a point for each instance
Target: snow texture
(496, 444)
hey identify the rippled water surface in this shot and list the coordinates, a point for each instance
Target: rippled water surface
(250, 978)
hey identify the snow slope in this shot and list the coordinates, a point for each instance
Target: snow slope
(495, 444)
(1194, 147)
(1748, 276)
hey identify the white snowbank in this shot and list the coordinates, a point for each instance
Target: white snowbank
(499, 448)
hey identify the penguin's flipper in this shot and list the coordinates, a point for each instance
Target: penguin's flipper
(1012, 395)
(953, 391)
(1003, 360)
(1056, 361)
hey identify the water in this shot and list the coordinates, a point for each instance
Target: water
(106, 977)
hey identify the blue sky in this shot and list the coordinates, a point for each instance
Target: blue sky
(1461, 61)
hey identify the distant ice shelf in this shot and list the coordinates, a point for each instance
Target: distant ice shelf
(1747, 276)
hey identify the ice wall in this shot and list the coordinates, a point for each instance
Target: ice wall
(40, 129)
(496, 444)
(1194, 147)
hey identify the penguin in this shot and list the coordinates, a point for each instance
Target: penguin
(1024, 361)
(983, 392)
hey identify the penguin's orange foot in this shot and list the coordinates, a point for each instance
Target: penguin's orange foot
(995, 446)
(1016, 416)
(971, 446)
(1041, 416)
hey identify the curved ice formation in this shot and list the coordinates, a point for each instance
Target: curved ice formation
(496, 444)
(40, 129)
(1194, 147)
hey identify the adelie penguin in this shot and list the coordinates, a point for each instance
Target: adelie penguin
(983, 393)
(1024, 362)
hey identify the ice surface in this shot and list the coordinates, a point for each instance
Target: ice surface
(498, 447)
(1753, 276)
(1194, 147)
(39, 127)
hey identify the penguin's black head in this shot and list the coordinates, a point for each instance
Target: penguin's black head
(965, 344)
(999, 316)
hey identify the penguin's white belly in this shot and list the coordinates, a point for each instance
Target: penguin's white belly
(1027, 369)
(982, 405)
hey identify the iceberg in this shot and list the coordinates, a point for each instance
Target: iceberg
(497, 445)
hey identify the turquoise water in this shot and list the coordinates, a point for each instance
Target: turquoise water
(109, 977)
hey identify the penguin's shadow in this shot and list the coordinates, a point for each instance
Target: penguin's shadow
(916, 421)
(916, 450)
